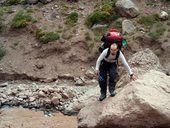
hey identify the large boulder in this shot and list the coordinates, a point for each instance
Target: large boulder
(140, 62)
(127, 26)
(143, 103)
(127, 8)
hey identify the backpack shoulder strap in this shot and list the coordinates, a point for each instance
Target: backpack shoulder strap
(117, 55)
(108, 52)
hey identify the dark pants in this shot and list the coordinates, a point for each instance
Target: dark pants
(111, 69)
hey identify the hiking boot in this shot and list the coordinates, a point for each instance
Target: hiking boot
(102, 97)
(112, 94)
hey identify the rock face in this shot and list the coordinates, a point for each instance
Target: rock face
(127, 26)
(141, 62)
(127, 8)
(142, 103)
(145, 60)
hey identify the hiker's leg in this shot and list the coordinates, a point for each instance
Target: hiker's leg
(102, 79)
(112, 78)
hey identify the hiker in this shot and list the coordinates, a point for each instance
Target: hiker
(107, 63)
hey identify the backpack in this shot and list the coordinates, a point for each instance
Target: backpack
(112, 36)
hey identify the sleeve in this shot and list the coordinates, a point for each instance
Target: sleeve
(122, 58)
(101, 57)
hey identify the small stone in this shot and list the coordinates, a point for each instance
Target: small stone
(51, 90)
(81, 8)
(65, 95)
(4, 84)
(66, 76)
(41, 94)
(31, 99)
(48, 80)
(20, 99)
(22, 96)
(55, 100)
(163, 15)
(90, 74)
(39, 65)
(99, 26)
(47, 101)
(79, 82)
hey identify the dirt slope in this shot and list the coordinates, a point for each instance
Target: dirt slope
(72, 53)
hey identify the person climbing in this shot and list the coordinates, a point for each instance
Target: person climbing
(107, 64)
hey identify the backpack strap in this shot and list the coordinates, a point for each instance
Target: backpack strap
(117, 55)
(108, 52)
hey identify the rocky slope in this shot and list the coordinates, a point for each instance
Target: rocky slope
(76, 50)
(52, 47)
(142, 103)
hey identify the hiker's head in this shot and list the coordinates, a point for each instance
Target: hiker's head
(113, 49)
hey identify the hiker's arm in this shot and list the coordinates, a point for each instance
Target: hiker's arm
(122, 58)
(101, 57)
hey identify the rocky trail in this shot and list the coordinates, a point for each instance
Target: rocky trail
(48, 51)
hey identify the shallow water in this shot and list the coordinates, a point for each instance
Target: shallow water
(25, 118)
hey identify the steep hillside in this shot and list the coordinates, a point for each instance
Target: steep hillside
(31, 52)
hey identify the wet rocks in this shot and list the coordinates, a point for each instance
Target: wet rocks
(40, 96)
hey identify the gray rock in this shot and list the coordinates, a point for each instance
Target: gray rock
(4, 85)
(2, 2)
(65, 95)
(127, 8)
(41, 94)
(99, 26)
(20, 89)
(128, 26)
(51, 90)
(20, 99)
(66, 76)
(163, 15)
(90, 74)
(47, 101)
(22, 96)
(79, 82)
(39, 65)
(31, 99)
